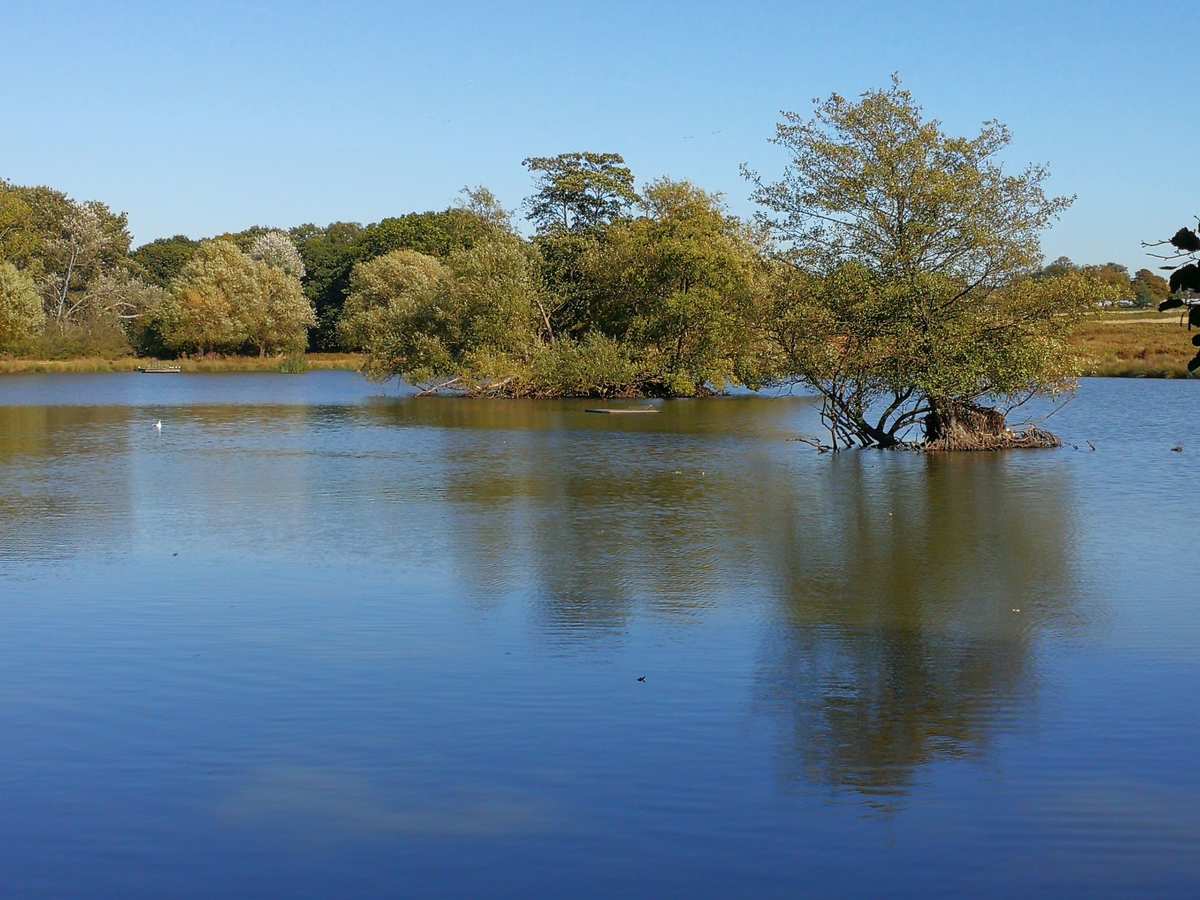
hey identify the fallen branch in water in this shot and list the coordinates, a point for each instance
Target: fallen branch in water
(493, 388)
(437, 387)
(812, 442)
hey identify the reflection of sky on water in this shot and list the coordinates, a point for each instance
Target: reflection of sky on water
(329, 805)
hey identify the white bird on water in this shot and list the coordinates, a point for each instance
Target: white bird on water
(158, 425)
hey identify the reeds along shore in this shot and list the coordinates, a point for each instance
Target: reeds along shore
(94, 365)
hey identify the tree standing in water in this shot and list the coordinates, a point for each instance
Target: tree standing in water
(904, 292)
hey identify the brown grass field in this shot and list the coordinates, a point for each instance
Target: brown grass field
(1135, 344)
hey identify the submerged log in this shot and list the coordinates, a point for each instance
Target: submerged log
(622, 412)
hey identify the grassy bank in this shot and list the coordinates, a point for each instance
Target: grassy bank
(1135, 344)
(84, 365)
(1132, 344)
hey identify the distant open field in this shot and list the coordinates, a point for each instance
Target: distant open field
(1136, 343)
(1136, 315)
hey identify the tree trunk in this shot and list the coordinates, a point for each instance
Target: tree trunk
(884, 440)
(62, 297)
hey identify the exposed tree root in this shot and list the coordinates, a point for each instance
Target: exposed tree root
(967, 426)
(1029, 439)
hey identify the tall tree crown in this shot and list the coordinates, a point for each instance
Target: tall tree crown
(578, 191)
(875, 181)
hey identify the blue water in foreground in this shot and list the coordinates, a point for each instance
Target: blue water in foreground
(316, 639)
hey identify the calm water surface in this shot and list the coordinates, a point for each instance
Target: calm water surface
(316, 639)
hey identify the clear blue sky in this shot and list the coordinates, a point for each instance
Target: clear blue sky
(202, 118)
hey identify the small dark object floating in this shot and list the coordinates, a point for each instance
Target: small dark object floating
(1178, 449)
(623, 412)
(643, 678)
(160, 370)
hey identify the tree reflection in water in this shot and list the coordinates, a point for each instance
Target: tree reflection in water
(908, 613)
(889, 580)
(874, 591)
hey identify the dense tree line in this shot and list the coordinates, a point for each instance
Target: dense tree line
(95, 296)
(260, 290)
(893, 268)
(1141, 290)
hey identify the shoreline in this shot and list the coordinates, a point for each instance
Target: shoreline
(1113, 345)
(1129, 368)
(89, 365)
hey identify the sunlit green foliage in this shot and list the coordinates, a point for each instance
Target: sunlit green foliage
(200, 314)
(908, 257)
(470, 318)
(21, 315)
(329, 254)
(593, 366)
(579, 191)
(1061, 266)
(224, 300)
(67, 245)
(277, 317)
(385, 286)
(476, 322)
(661, 304)
(577, 196)
(681, 287)
(1144, 289)
(895, 269)
(77, 256)
(1114, 275)
(19, 238)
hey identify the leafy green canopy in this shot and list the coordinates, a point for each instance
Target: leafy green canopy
(579, 191)
(661, 304)
(224, 300)
(330, 254)
(682, 286)
(21, 313)
(162, 260)
(19, 237)
(467, 318)
(906, 256)
(76, 254)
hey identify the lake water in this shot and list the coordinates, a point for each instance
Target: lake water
(316, 639)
